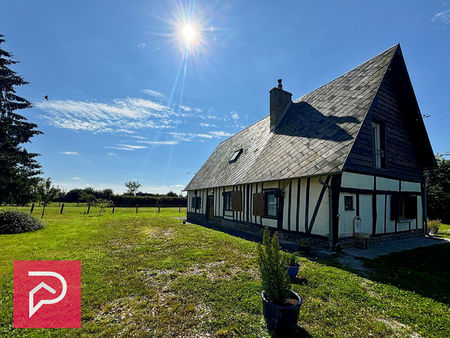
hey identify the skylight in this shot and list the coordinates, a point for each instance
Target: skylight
(235, 155)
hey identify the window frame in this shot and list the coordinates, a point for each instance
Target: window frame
(227, 195)
(346, 197)
(267, 192)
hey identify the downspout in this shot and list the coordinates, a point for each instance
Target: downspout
(425, 213)
(330, 213)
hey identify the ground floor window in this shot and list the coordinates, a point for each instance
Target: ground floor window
(227, 200)
(271, 203)
(196, 202)
(403, 206)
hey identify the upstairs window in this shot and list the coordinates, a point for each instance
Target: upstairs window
(235, 156)
(378, 145)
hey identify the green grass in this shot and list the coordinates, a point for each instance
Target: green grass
(147, 274)
(444, 230)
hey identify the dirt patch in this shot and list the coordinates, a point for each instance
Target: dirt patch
(398, 327)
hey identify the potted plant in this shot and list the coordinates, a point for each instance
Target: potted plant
(292, 266)
(433, 226)
(281, 305)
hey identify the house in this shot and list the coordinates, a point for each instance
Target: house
(342, 165)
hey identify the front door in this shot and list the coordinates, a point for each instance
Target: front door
(210, 208)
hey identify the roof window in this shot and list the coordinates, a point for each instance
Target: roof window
(235, 156)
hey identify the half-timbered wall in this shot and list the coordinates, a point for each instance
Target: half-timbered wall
(372, 204)
(305, 206)
(392, 108)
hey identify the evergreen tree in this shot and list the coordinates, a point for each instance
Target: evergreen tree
(18, 167)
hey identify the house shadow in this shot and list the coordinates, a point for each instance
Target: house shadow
(304, 120)
(424, 271)
(296, 332)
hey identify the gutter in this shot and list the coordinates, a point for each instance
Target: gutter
(425, 215)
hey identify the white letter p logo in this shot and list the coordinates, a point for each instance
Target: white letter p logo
(33, 309)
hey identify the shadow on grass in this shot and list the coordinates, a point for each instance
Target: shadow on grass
(425, 271)
(297, 332)
(299, 281)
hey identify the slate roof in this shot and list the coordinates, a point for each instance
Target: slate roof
(314, 137)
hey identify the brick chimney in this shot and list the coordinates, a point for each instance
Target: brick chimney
(279, 102)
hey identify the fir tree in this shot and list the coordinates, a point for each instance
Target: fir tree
(18, 167)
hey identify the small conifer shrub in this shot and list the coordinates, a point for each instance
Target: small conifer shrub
(274, 278)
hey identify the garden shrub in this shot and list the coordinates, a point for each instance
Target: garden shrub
(274, 278)
(14, 222)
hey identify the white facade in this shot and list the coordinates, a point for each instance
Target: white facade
(305, 206)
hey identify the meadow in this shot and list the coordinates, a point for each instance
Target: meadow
(148, 274)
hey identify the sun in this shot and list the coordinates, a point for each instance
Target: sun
(189, 33)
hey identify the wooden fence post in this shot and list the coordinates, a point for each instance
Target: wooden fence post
(32, 208)
(179, 209)
(159, 210)
(89, 208)
(62, 208)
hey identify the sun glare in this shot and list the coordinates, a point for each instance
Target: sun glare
(189, 33)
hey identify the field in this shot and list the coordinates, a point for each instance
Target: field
(147, 274)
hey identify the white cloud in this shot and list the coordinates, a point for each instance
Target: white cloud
(443, 17)
(142, 45)
(186, 108)
(128, 147)
(112, 154)
(220, 133)
(169, 142)
(73, 153)
(77, 179)
(122, 115)
(153, 93)
(234, 115)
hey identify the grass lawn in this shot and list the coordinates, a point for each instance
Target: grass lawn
(444, 230)
(147, 274)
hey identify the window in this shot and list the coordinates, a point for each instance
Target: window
(227, 200)
(196, 202)
(403, 206)
(348, 201)
(266, 204)
(235, 156)
(232, 201)
(271, 204)
(378, 145)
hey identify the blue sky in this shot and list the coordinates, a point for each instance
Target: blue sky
(127, 102)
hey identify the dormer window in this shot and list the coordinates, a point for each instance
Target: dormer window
(235, 155)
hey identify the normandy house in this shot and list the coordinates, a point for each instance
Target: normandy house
(343, 164)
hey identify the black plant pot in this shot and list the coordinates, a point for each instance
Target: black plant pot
(292, 271)
(278, 317)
